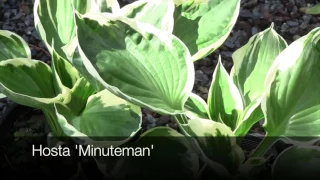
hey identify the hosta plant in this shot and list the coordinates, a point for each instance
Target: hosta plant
(109, 62)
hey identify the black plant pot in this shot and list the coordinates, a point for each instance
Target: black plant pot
(252, 140)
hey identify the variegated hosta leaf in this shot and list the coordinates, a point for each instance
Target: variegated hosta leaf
(29, 82)
(13, 46)
(84, 6)
(54, 20)
(251, 64)
(155, 12)
(204, 25)
(64, 73)
(292, 102)
(196, 107)
(80, 93)
(106, 120)
(135, 61)
(250, 116)
(72, 51)
(178, 162)
(217, 141)
(224, 100)
(54, 23)
(297, 163)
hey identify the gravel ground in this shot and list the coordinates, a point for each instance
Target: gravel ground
(255, 16)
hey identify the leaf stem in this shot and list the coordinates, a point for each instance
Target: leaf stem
(200, 173)
(218, 168)
(55, 128)
(263, 147)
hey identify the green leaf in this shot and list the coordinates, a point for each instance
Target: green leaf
(297, 163)
(251, 115)
(80, 93)
(73, 51)
(252, 62)
(30, 83)
(84, 6)
(106, 120)
(217, 141)
(196, 107)
(2, 96)
(54, 21)
(13, 46)
(137, 62)
(204, 25)
(65, 72)
(224, 100)
(292, 102)
(157, 13)
(178, 162)
(314, 10)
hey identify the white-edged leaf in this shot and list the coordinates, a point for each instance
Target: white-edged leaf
(224, 100)
(204, 25)
(154, 12)
(292, 102)
(135, 61)
(196, 107)
(106, 120)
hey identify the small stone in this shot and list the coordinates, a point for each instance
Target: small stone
(230, 42)
(34, 34)
(205, 96)
(2, 105)
(7, 15)
(251, 3)
(303, 26)
(200, 76)
(293, 30)
(207, 70)
(7, 27)
(245, 13)
(151, 121)
(204, 62)
(227, 54)
(25, 9)
(307, 18)
(33, 52)
(18, 16)
(203, 89)
(295, 37)
(284, 27)
(256, 13)
(294, 11)
(27, 21)
(293, 23)
(25, 37)
(254, 30)
(163, 120)
(173, 125)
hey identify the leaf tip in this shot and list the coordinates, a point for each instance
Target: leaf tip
(272, 25)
